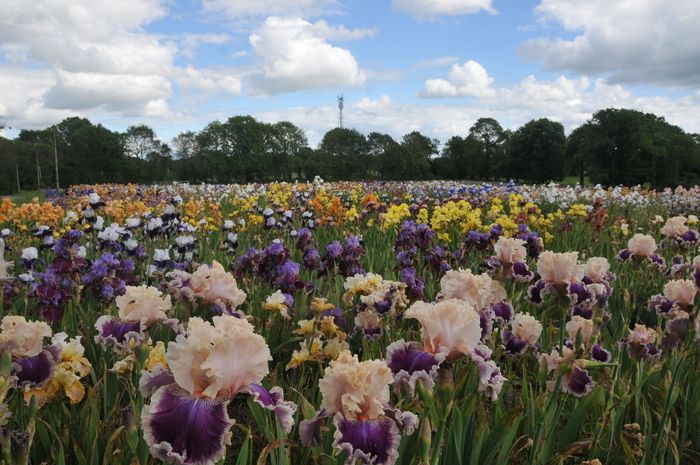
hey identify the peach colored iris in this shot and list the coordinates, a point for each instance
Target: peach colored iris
(451, 324)
(219, 360)
(479, 290)
(559, 268)
(143, 303)
(214, 283)
(358, 390)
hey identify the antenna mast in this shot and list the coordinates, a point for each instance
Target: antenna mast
(341, 102)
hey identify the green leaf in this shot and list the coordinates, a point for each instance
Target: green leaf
(244, 456)
(577, 418)
(507, 442)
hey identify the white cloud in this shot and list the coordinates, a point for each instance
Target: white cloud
(261, 8)
(95, 36)
(327, 31)
(191, 42)
(81, 55)
(22, 96)
(82, 91)
(436, 62)
(294, 56)
(467, 80)
(427, 9)
(208, 80)
(569, 101)
(641, 41)
(94, 57)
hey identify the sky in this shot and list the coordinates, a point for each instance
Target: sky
(435, 66)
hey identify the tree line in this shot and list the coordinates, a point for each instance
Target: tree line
(616, 146)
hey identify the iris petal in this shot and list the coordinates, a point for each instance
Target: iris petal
(578, 382)
(151, 381)
(116, 333)
(310, 430)
(409, 363)
(184, 429)
(274, 400)
(35, 371)
(372, 442)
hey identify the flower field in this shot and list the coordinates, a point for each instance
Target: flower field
(350, 323)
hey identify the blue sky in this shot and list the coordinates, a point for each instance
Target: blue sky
(429, 65)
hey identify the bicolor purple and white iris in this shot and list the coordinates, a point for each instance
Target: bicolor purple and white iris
(560, 274)
(187, 420)
(511, 259)
(356, 395)
(32, 361)
(139, 308)
(642, 247)
(678, 294)
(410, 364)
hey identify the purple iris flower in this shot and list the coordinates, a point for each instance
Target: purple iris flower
(410, 363)
(415, 286)
(273, 400)
(577, 382)
(37, 370)
(599, 354)
(118, 334)
(305, 239)
(185, 429)
(334, 251)
(311, 258)
(406, 257)
(108, 277)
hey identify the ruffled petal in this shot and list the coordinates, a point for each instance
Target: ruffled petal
(118, 334)
(151, 381)
(35, 371)
(521, 272)
(658, 261)
(407, 422)
(579, 293)
(577, 382)
(273, 400)
(689, 239)
(537, 291)
(310, 430)
(513, 343)
(503, 311)
(372, 442)
(409, 363)
(186, 430)
(599, 354)
(660, 304)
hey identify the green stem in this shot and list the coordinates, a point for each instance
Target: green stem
(435, 457)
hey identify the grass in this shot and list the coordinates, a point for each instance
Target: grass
(26, 196)
(574, 181)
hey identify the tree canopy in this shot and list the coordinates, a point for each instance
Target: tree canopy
(616, 146)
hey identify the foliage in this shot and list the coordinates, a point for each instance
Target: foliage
(633, 410)
(616, 147)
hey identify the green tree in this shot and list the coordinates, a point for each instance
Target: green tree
(185, 145)
(384, 151)
(285, 141)
(621, 146)
(419, 150)
(487, 144)
(536, 151)
(345, 153)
